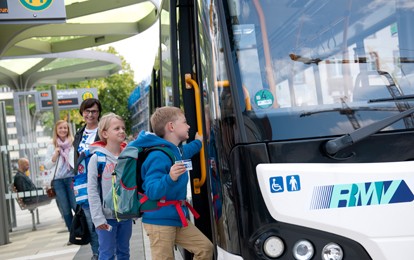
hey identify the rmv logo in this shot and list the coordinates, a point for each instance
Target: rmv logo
(361, 194)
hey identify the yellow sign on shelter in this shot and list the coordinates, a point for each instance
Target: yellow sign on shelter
(36, 5)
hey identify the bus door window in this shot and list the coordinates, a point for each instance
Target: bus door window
(166, 98)
(219, 118)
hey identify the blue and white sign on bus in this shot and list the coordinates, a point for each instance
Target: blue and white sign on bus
(278, 183)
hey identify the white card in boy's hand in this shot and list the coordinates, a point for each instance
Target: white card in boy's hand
(187, 163)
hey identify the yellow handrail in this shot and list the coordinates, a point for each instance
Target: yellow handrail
(198, 183)
(226, 83)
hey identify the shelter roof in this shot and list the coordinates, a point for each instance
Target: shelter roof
(89, 23)
(24, 72)
(33, 52)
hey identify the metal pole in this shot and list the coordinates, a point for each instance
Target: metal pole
(55, 104)
(4, 225)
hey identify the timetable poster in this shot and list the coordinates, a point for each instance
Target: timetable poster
(3, 7)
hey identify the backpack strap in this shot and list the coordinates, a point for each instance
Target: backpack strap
(145, 152)
(164, 149)
(101, 162)
(101, 159)
(178, 204)
(81, 157)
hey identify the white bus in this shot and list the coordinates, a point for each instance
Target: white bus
(306, 110)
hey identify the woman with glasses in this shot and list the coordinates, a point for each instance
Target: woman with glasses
(91, 110)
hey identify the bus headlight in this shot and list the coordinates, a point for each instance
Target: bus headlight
(332, 251)
(303, 250)
(273, 247)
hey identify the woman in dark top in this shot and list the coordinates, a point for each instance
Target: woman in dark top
(91, 110)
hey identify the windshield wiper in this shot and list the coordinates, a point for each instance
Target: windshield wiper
(335, 145)
(405, 97)
(345, 111)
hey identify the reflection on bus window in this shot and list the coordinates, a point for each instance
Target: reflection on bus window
(324, 55)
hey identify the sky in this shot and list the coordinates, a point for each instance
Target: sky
(139, 51)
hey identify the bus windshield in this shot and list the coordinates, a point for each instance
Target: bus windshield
(323, 68)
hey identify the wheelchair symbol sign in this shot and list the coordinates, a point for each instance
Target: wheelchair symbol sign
(276, 184)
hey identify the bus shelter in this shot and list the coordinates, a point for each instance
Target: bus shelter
(37, 38)
(21, 75)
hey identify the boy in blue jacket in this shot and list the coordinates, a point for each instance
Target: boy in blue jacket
(163, 179)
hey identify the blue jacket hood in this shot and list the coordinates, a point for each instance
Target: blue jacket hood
(148, 139)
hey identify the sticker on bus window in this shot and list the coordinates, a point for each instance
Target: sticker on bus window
(264, 98)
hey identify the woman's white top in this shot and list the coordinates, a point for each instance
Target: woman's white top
(61, 172)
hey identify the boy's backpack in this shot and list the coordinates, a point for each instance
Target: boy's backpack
(80, 180)
(127, 198)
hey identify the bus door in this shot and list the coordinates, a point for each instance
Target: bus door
(178, 83)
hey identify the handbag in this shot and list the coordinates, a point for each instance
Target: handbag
(51, 193)
(79, 232)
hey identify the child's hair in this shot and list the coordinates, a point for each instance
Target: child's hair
(162, 116)
(55, 135)
(105, 123)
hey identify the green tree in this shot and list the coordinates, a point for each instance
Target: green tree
(113, 92)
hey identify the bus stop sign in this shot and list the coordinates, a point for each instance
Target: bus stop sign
(67, 99)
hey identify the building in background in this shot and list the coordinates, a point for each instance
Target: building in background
(138, 105)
